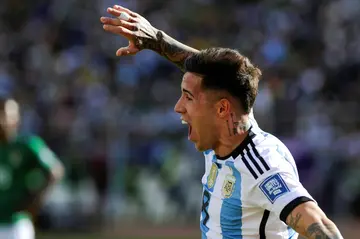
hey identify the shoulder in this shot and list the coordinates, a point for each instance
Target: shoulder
(270, 148)
(263, 155)
(31, 141)
(28, 140)
(36, 145)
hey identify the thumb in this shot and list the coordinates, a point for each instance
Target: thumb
(125, 51)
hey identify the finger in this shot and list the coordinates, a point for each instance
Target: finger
(123, 9)
(118, 30)
(116, 13)
(118, 22)
(126, 51)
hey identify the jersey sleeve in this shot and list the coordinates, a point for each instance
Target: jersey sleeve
(45, 157)
(273, 183)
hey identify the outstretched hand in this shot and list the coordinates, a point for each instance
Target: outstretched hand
(135, 28)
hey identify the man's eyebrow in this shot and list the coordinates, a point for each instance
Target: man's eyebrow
(187, 91)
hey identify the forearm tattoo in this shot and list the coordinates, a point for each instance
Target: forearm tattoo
(294, 221)
(323, 231)
(316, 230)
(167, 47)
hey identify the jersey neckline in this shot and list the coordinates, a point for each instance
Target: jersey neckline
(236, 152)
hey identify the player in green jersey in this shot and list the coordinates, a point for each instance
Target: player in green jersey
(27, 168)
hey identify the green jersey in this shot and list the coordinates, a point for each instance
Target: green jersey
(25, 166)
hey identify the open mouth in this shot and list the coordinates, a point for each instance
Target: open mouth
(189, 127)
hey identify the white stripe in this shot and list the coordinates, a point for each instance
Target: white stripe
(214, 210)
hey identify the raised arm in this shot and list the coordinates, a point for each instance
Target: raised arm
(174, 51)
(142, 35)
(310, 221)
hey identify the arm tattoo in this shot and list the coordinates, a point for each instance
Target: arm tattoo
(323, 231)
(172, 50)
(294, 221)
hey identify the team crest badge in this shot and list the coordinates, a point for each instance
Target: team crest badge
(212, 176)
(228, 186)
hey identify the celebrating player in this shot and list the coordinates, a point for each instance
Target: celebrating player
(251, 187)
(27, 168)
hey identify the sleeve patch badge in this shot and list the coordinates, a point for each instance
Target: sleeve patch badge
(273, 187)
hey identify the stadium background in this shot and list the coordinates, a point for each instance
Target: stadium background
(130, 170)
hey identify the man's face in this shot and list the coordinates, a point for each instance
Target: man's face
(198, 111)
(9, 119)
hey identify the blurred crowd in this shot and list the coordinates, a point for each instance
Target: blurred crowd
(111, 119)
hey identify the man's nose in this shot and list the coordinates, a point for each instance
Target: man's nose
(179, 107)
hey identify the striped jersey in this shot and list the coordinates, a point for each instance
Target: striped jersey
(250, 193)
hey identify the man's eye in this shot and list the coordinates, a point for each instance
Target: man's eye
(188, 98)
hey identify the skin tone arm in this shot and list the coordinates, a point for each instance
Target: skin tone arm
(312, 223)
(142, 35)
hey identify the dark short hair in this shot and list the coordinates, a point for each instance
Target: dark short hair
(226, 69)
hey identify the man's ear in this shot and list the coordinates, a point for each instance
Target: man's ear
(223, 108)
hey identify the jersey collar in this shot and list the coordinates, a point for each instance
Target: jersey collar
(236, 152)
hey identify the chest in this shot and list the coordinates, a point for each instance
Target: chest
(222, 181)
(14, 157)
(13, 166)
(222, 205)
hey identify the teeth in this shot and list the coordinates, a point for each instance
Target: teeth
(184, 122)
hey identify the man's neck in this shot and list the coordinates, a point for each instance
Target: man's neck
(228, 143)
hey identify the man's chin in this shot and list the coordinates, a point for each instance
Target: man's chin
(200, 148)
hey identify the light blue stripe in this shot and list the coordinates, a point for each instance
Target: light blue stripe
(231, 210)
